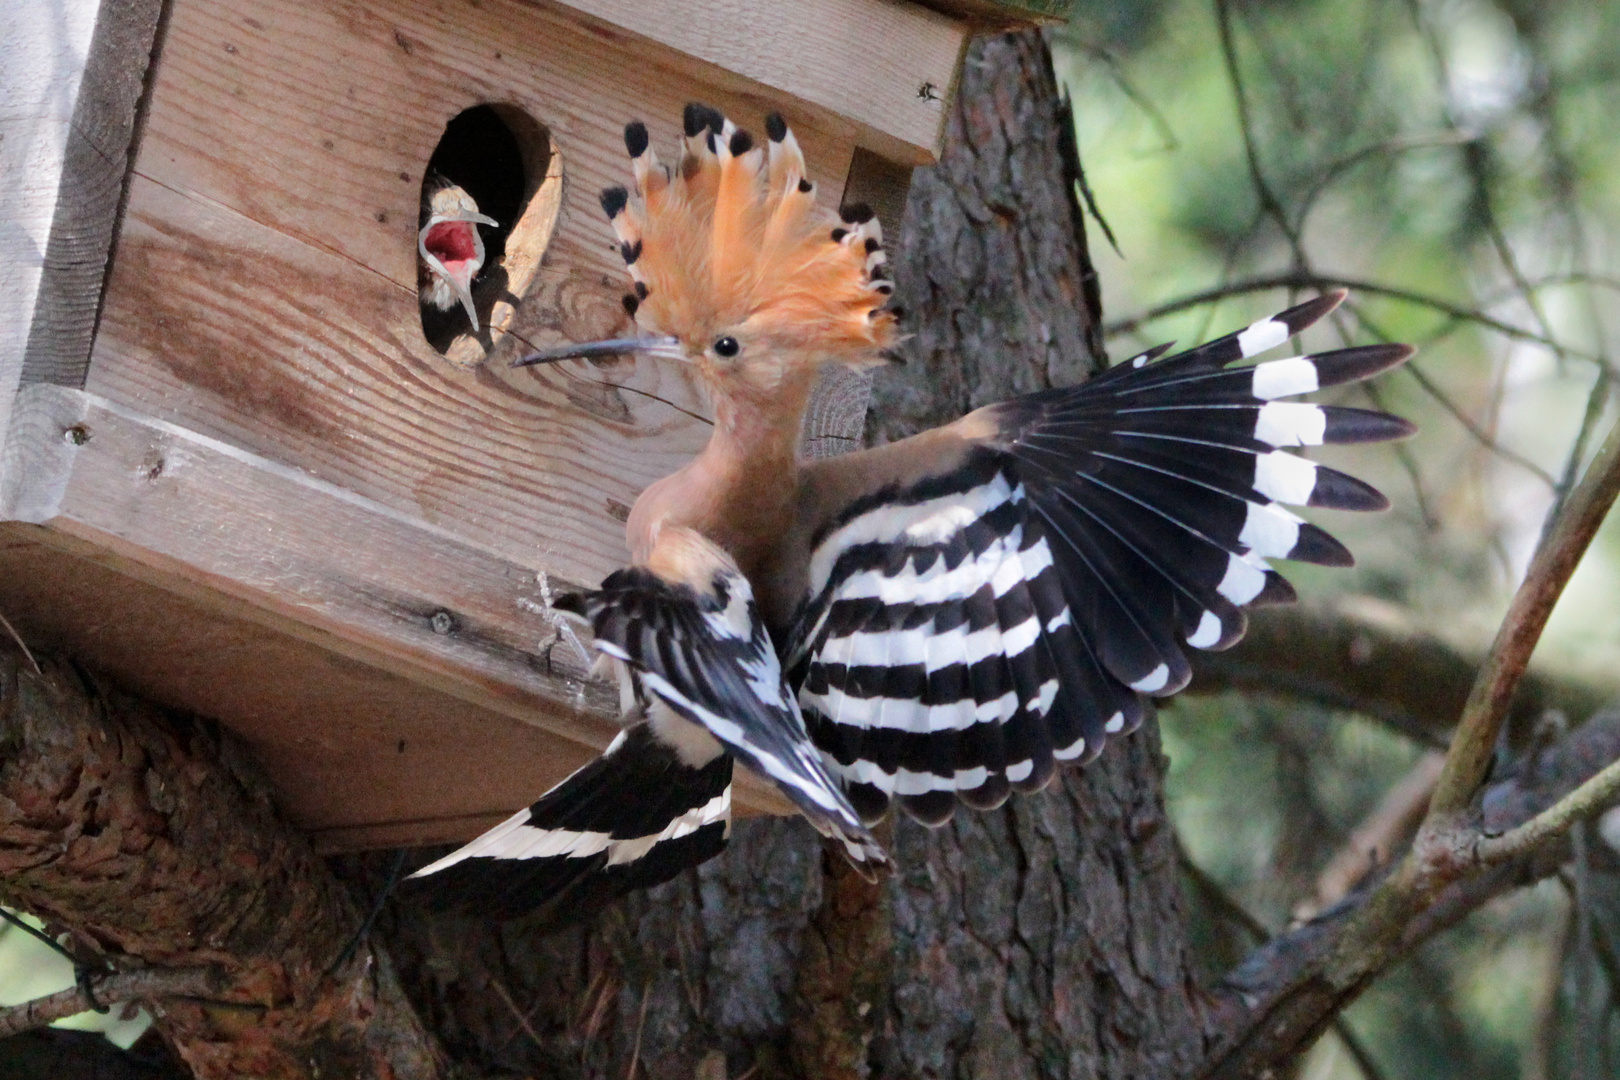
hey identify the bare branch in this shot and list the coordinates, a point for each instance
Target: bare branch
(1379, 835)
(1521, 629)
(144, 985)
(156, 840)
(1270, 205)
(1323, 282)
(1598, 793)
(1369, 657)
(1477, 433)
(1288, 991)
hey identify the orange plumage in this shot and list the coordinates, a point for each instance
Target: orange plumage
(732, 243)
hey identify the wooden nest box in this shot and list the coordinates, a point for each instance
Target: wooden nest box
(239, 472)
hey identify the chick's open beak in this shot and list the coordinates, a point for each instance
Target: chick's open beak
(453, 251)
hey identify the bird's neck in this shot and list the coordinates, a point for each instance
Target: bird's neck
(741, 490)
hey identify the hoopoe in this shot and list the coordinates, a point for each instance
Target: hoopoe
(942, 619)
(450, 251)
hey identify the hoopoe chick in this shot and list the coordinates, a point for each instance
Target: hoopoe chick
(450, 252)
(940, 620)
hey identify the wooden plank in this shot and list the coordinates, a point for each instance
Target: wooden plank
(95, 165)
(46, 45)
(864, 61)
(360, 757)
(263, 543)
(263, 290)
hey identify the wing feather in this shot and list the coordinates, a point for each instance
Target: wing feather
(1003, 594)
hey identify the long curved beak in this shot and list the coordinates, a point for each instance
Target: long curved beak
(662, 346)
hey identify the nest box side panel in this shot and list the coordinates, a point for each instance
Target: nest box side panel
(263, 290)
(46, 46)
(94, 167)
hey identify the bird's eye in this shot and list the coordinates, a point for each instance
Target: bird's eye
(727, 347)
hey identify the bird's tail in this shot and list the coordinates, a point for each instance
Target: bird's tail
(633, 818)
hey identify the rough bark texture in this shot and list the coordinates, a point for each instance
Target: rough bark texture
(992, 265)
(152, 837)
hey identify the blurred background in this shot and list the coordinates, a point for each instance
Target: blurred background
(1455, 164)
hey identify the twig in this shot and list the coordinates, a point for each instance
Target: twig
(1474, 162)
(16, 920)
(1229, 907)
(1311, 280)
(1225, 904)
(1586, 1034)
(522, 1019)
(641, 1023)
(1592, 796)
(21, 644)
(1446, 848)
(1269, 203)
(1536, 1057)
(1596, 402)
(1549, 572)
(1358, 1050)
(1116, 71)
(1397, 145)
(1481, 436)
(147, 984)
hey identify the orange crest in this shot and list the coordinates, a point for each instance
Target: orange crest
(732, 242)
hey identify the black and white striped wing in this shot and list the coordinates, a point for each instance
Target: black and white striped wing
(633, 818)
(967, 631)
(706, 655)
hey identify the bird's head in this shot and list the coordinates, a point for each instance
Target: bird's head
(450, 247)
(734, 267)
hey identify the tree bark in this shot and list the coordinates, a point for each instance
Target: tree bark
(154, 840)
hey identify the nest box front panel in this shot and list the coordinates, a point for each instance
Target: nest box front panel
(264, 287)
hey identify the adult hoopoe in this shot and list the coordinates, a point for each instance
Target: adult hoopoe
(449, 249)
(943, 618)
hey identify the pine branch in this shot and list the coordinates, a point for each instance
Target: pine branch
(153, 837)
(145, 984)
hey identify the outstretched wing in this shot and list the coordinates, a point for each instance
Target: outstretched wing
(633, 818)
(996, 596)
(687, 625)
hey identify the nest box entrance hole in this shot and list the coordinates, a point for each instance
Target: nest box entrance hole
(494, 162)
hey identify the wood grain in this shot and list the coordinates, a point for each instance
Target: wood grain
(864, 61)
(95, 166)
(257, 298)
(291, 567)
(46, 43)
